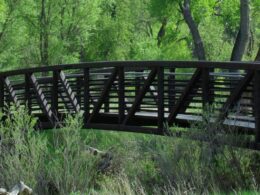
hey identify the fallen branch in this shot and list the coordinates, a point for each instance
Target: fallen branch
(19, 189)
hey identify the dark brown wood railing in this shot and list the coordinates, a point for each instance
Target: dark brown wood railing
(138, 96)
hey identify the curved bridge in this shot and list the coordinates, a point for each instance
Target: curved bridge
(139, 96)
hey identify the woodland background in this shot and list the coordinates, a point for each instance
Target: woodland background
(46, 32)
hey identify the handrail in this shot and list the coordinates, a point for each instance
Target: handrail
(132, 64)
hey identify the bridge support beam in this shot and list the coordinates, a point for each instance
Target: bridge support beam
(257, 106)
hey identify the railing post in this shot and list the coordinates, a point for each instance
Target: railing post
(106, 102)
(55, 92)
(28, 98)
(86, 95)
(257, 105)
(205, 88)
(121, 94)
(2, 94)
(160, 91)
(171, 90)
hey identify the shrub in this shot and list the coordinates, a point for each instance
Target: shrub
(23, 150)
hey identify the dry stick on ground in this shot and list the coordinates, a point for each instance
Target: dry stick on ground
(19, 189)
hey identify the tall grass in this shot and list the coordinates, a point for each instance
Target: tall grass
(58, 162)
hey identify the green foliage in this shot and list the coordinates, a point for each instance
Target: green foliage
(22, 150)
(85, 30)
(57, 161)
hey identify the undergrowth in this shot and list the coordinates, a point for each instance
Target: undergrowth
(58, 162)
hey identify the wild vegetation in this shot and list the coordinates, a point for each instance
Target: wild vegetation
(59, 162)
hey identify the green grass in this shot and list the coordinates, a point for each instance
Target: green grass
(57, 161)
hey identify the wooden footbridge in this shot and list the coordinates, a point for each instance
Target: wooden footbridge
(138, 96)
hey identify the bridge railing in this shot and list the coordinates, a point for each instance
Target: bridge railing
(143, 96)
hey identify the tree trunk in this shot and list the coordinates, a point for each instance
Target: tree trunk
(44, 36)
(161, 32)
(199, 47)
(243, 33)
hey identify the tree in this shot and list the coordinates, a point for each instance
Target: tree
(243, 33)
(198, 43)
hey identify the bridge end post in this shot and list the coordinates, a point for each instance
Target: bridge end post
(257, 106)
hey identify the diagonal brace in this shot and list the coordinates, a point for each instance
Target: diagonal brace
(236, 93)
(180, 105)
(140, 95)
(104, 94)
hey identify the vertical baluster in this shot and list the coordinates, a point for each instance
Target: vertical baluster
(28, 99)
(257, 105)
(55, 92)
(121, 94)
(205, 88)
(86, 96)
(160, 91)
(171, 89)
